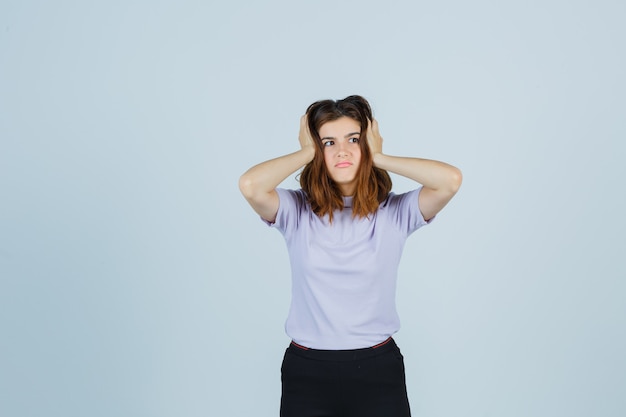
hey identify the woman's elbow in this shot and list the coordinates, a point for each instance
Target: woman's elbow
(246, 186)
(456, 178)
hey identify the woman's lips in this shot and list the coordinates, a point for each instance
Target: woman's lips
(343, 164)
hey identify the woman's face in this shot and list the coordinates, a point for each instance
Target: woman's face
(342, 152)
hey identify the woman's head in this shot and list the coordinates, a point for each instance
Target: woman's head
(354, 107)
(343, 162)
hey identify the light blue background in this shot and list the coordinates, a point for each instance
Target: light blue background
(135, 280)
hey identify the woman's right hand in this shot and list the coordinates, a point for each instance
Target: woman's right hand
(305, 138)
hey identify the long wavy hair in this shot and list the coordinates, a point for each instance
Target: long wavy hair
(372, 184)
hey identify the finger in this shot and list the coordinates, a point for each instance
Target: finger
(374, 124)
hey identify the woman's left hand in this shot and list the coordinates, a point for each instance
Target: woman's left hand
(374, 140)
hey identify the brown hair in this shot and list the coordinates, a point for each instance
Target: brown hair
(373, 184)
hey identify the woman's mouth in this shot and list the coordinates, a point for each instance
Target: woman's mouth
(343, 164)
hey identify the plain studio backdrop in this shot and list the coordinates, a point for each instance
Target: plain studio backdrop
(136, 281)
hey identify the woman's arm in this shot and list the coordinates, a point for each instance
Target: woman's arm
(258, 184)
(441, 181)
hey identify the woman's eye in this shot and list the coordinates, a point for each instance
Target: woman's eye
(328, 143)
(354, 140)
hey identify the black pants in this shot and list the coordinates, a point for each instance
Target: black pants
(366, 382)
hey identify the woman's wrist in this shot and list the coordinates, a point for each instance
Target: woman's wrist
(377, 158)
(309, 152)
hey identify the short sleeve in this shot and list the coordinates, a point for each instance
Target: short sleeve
(405, 212)
(290, 208)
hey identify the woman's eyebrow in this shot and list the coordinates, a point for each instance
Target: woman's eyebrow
(346, 136)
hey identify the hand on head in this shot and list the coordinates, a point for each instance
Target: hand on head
(374, 140)
(304, 136)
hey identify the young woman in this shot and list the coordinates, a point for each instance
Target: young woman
(345, 231)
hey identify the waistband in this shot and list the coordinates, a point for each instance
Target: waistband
(343, 355)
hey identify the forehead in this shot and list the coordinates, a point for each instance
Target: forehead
(339, 128)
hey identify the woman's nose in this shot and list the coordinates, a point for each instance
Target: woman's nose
(342, 150)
